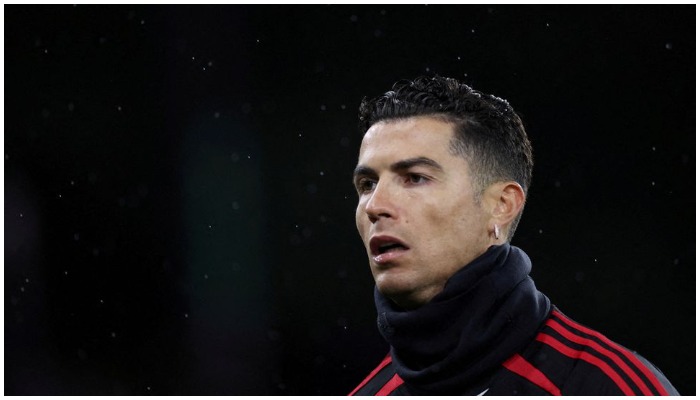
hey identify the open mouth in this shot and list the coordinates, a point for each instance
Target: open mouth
(385, 244)
(391, 247)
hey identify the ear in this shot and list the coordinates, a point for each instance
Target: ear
(504, 200)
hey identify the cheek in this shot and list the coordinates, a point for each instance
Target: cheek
(360, 220)
(455, 223)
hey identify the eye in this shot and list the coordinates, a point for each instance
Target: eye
(416, 179)
(364, 185)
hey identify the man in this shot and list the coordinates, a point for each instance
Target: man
(442, 178)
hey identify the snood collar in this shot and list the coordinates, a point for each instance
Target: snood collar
(488, 310)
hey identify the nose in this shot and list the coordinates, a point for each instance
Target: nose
(380, 203)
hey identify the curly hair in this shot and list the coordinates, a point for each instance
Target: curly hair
(488, 132)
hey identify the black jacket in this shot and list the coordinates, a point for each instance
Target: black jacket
(491, 332)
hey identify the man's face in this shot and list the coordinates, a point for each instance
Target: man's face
(416, 213)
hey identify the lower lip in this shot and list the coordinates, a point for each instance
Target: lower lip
(386, 258)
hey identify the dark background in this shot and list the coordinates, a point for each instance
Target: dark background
(179, 216)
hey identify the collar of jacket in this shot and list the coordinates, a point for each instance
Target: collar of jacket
(489, 310)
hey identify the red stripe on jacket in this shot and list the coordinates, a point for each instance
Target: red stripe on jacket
(590, 358)
(592, 344)
(372, 374)
(393, 383)
(520, 366)
(650, 375)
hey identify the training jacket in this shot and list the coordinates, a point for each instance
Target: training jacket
(491, 332)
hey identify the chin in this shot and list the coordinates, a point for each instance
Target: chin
(400, 289)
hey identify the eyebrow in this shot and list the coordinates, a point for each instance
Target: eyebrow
(362, 170)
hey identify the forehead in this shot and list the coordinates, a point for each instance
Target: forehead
(407, 138)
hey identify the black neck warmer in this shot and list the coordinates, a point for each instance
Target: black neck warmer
(489, 310)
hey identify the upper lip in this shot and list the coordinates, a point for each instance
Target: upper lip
(382, 240)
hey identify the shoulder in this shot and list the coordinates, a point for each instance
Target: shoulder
(571, 359)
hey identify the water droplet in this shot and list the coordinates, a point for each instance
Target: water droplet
(26, 280)
(46, 51)
(321, 173)
(323, 107)
(102, 301)
(65, 272)
(72, 183)
(595, 260)
(21, 215)
(653, 148)
(210, 63)
(143, 22)
(353, 18)
(148, 388)
(119, 108)
(547, 24)
(342, 107)
(427, 69)
(653, 183)
(540, 231)
(187, 315)
(113, 334)
(206, 276)
(217, 115)
(21, 289)
(669, 46)
(249, 157)
(459, 58)
(473, 30)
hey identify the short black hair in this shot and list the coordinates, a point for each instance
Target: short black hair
(488, 132)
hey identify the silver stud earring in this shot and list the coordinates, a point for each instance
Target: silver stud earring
(495, 231)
